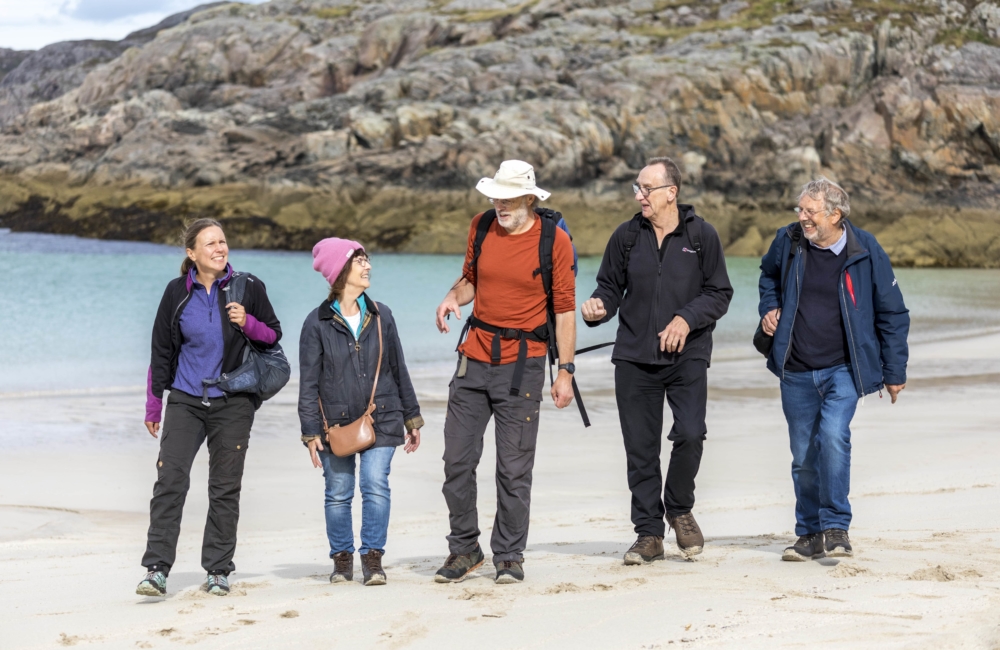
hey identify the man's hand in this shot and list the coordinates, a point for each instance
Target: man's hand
(672, 338)
(894, 391)
(411, 441)
(237, 314)
(153, 427)
(562, 390)
(315, 446)
(448, 306)
(770, 321)
(593, 309)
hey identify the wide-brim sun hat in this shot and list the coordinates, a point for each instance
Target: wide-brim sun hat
(514, 178)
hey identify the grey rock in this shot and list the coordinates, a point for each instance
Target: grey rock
(731, 9)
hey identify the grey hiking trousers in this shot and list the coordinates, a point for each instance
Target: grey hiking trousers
(484, 392)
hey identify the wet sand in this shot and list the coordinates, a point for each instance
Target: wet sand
(76, 474)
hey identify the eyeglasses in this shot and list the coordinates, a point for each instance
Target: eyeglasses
(636, 188)
(363, 261)
(506, 202)
(809, 213)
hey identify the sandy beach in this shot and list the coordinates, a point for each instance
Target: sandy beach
(77, 469)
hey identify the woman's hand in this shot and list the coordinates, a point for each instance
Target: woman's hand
(411, 441)
(237, 314)
(315, 446)
(153, 427)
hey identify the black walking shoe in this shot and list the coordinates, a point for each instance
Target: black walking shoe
(808, 547)
(837, 543)
(343, 567)
(154, 584)
(371, 569)
(457, 567)
(217, 584)
(647, 548)
(688, 533)
(509, 572)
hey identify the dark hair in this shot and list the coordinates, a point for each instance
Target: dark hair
(190, 238)
(337, 288)
(671, 172)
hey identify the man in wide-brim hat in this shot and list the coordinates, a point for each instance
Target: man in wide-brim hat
(501, 367)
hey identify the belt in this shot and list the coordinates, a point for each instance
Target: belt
(539, 334)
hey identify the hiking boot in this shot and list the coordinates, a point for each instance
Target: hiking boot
(837, 543)
(343, 567)
(509, 572)
(648, 548)
(217, 584)
(808, 547)
(688, 534)
(457, 567)
(154, 584)
(371, 569)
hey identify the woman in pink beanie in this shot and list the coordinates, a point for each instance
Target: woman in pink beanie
(338, 359)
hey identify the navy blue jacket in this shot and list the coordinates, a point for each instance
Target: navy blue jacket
(339, 369)
(871, 304)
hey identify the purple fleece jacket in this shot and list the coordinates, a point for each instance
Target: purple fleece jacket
(201, 355)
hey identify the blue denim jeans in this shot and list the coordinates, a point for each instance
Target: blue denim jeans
(819, 406)
(339, 475)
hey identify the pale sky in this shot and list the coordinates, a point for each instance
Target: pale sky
(32, 24)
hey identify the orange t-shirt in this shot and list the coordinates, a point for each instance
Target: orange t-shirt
(507, 292)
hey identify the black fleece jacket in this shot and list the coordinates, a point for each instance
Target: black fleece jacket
(166, 343)
(658, 287)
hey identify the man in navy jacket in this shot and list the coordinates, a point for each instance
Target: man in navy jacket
(830, 300)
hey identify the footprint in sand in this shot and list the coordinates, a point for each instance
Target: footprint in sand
(848, 571)
(941, 574)
(246, 621)
(563, 588)
(290, 614)
(167, 631)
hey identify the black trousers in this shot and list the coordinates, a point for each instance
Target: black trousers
(187, 424)
(640, 389)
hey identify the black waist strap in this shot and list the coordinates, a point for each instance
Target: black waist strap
(539, 334)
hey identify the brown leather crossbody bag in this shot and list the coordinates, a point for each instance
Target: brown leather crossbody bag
(360, 434)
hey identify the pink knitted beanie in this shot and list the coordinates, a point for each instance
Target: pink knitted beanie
(331, 254)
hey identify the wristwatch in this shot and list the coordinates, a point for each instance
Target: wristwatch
(568, 367)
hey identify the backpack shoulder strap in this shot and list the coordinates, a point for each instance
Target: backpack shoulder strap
(545, 245)
(236, 287)
(631, 236)
(482, 229)
(694, 228)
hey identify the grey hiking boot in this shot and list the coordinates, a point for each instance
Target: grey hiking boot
(457, 567)
(648, 548)
(154, 584)
(509, 572)
(343, 567)
(808, 547)
(217, 584)
(689, 537)
(838, 544)
(371, 568)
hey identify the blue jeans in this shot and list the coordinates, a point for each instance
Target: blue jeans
(819, 406)
(339, 475)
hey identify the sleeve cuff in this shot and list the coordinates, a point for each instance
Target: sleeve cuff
(307, 439)
(414, 423)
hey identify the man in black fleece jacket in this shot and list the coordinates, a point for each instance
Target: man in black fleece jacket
(669, 288)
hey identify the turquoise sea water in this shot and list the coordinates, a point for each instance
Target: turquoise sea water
(77, 313)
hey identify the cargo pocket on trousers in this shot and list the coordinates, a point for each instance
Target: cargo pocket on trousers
(529, 410)
(234, 455)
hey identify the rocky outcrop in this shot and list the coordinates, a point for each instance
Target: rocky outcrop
(301, 119)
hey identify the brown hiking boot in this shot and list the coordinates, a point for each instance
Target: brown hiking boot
(343, 567)
(371, 569)
(457, 567)
(689, 537)
(646, 549)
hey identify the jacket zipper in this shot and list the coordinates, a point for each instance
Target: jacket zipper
(798, 297)
(656, 296)
(850, 335)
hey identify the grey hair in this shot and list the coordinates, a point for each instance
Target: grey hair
(833, 195)
(671, 172)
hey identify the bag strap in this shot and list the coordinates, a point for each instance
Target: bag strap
(482, 229)
(378, 369)
(322, 414)
(694, 236)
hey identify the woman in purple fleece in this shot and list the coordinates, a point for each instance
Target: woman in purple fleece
(196, 336)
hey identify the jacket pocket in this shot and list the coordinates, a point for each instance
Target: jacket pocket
(336, 413)
(388, 403)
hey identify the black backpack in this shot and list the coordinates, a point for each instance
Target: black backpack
(263, 372)
(550, 221)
